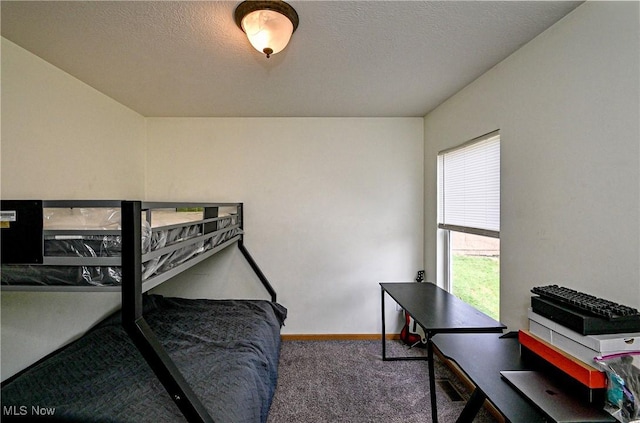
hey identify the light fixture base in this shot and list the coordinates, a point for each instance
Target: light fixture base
(279, 6)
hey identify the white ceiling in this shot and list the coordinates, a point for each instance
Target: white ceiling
(347, 58)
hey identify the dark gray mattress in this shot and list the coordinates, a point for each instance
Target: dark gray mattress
(227, 350)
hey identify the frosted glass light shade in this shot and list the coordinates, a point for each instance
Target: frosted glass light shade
(268, 31)
(268, 24)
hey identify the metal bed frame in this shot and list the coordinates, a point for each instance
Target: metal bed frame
(133, 286)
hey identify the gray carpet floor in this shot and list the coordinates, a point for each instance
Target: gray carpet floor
(347, 381)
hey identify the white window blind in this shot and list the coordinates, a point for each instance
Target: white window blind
(469, 187)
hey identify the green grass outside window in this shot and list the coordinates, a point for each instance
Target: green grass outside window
(476, 280)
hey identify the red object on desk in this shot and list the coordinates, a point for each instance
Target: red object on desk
(585, 374)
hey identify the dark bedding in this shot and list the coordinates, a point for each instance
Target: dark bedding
(227, 350)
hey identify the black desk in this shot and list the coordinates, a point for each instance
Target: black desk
(470, 353)
(436, 311)
(481, 357)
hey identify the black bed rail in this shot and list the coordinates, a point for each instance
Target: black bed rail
(256, 269)
(137, 328)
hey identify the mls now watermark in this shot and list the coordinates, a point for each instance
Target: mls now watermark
(23, 410)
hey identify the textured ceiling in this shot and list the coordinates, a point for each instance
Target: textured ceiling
(347, 58)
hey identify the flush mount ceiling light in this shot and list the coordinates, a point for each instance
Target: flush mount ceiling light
(268, 24)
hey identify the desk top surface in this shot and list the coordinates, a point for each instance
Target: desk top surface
(436, 310)
(482, 357)
(468, 352)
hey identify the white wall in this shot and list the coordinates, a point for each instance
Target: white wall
(567, 106)
(345, 196)
(61, 139)
(333, 205)
(60, 134)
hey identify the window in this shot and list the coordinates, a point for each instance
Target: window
(469, 222)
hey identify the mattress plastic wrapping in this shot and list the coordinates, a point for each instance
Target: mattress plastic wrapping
(82, 218)
(61, 275)
(95, 219)
(161, 239)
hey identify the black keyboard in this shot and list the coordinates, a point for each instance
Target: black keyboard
(585, 302)
(582, 312)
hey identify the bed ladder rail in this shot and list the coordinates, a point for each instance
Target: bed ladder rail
(254, 266)
(257, 271)
(137, 328)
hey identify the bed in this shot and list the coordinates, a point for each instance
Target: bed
(158, 359)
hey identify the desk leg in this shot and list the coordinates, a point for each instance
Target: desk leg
(432, 380)
(472, 407)
(384, 336)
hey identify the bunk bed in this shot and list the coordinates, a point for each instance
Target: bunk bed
(157, 359)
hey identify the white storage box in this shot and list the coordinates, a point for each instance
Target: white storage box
(582, 347)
